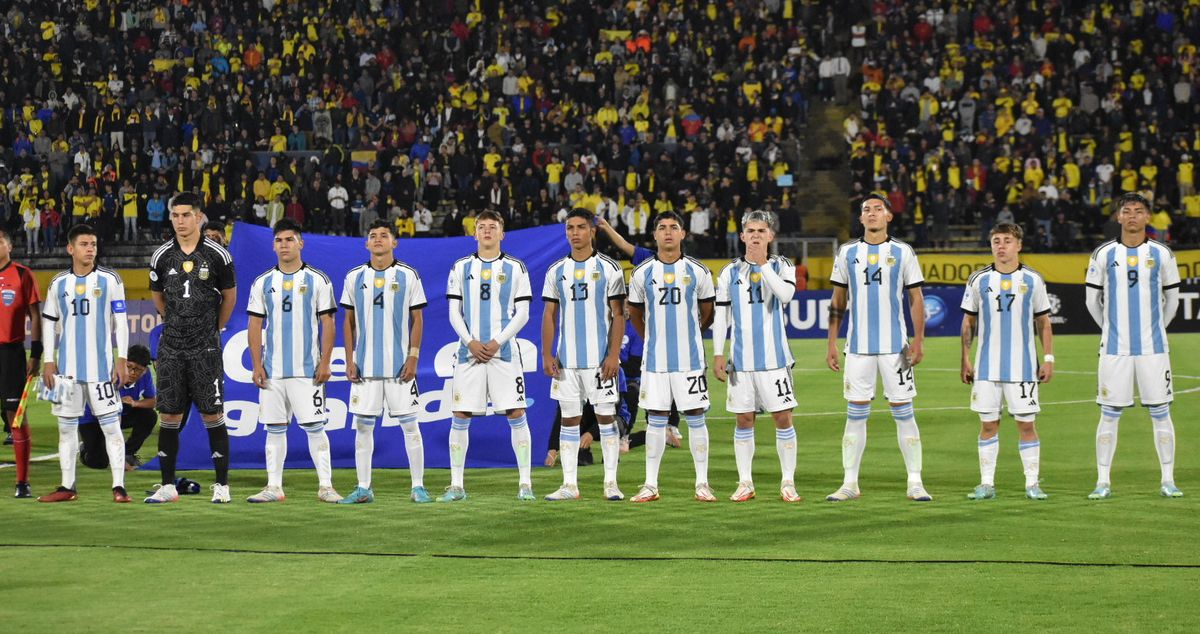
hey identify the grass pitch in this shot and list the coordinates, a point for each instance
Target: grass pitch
(493, 564)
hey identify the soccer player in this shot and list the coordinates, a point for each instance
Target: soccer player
(870, 278)
(295, 303)
(21, 300)
(752, 296)
(1007, 303)
(489, 297)
(670, 302)
(382, 334)
(194, 288)
(584, 295)
(87, 303)
(1133, 294)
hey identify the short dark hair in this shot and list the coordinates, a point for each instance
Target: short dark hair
(1011, 229)
(287, 224)
(138, 354)
(216, 225)
(580, 212)
(185, 198)
(82, 229)
(887, 204)
(380, 223)
(1130, 198)
(4, 235)
(669, 215)
(488, 214)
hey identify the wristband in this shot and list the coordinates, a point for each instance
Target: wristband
(414, 353)
(1048, 358)
(36, 350)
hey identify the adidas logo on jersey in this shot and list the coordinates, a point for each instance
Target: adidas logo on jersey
(172, 271)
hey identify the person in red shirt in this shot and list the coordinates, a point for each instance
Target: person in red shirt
(19, 299)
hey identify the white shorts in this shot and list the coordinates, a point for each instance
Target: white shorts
(502, 383)
(1118, 373)
(294, 395)
(368, 396)
(1021, 398)
(860, 373)
(763, 391)
(689, 391)
(102, 398)
(575, 386)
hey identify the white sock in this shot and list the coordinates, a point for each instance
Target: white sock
(854, 440)
(318, 450)
(909, 438)
(1106, 442)
(68, 449)
(415, 449)
(1164, 440)
(521, 442)
(568, 452)
(785, 446)
(989, 450)
(743, 452)
(460, 439)
(276, 454)
(114, 444)
(698, 444)
(364, 449)
(1031, 454)
(656, 445)
(610, 448)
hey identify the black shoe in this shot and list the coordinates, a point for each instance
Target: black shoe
(8, 438)
(133, 460)
(23, 490)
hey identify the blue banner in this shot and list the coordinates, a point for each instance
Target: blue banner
(808, 313)
(432, 257)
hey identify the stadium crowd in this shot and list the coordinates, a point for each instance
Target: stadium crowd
(1040, 111)
(337, 112)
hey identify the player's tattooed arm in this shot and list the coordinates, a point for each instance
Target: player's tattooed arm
(968, 336)
(837, 311)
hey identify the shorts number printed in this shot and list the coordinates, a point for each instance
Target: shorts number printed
(521, 385)
(904, 374)
(697, 384)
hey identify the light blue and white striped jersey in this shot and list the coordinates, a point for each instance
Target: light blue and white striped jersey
(582, 291)
(876, 277)
(671, 294)
(1006, 305)
(1132, 281)
(382, 302)
(489, 290)
(89, 311)
(291, 305)
(759, 337)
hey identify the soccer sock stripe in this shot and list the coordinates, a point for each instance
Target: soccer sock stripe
(1106, 442)
(1031, 451)
(522, 443)
(68, 449)
(460, 440)
(318, 450)
(114, 446)
(785, 446)
(364, 449)
(656, 445)
(743, 452)
(1164, 440)
(857, 412)
(909, 439)
(276, 453)
(214, 424)
(610, 448)
(989, 449)
(218, 442)
(414, 448)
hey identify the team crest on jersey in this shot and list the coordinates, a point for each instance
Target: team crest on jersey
(486, 274)
(1023, 288)
(379, 282)
(579, 274)
(595, 276)
(873, 259)
(187, 266)
(80, 289)
(501, 278)
(1149, 263)
(1132, 260)
(890, 261)
(1005, 285)
(287, 285)
(97, 292)
(669, 278)
(755, 277)
(303, 288)
(394, 286)
(204, 271)
(686, 279)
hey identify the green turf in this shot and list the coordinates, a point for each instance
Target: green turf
(492, 563)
